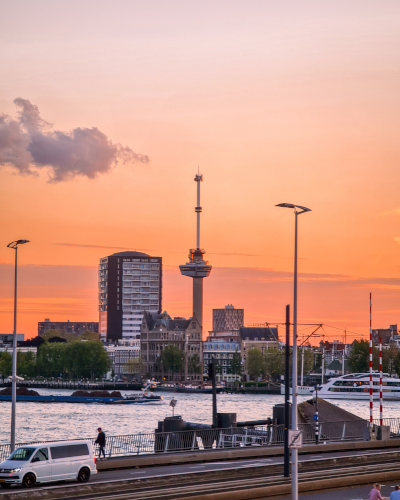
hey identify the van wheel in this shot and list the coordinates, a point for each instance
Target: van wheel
(84, 475)
(29, 480)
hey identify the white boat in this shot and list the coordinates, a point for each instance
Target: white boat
(301, 390)
(356, 386)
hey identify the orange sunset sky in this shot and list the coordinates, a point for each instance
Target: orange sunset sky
(275, 102)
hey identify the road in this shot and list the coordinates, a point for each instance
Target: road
(226, 465)
(346, 494)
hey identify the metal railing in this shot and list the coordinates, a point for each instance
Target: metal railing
(233, 437)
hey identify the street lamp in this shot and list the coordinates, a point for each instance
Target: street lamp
(14, 246)
(298, 209)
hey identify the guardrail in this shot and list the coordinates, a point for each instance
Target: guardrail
(232, 437)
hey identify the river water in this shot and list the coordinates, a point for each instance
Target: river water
(53, 421)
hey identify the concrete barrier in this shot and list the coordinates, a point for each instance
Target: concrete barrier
(237, 453)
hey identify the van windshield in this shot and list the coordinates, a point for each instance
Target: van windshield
(22, 454)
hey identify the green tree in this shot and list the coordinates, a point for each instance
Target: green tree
(274, 360)
(359, 356)
(5, 364)
(26, 364)
(135, 366)
(255, 365)
(194, 365)
(236, 367)
(171, 357)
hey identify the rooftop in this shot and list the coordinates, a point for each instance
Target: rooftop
(130, 253)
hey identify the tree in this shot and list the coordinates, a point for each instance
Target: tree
(88, 335)
(5, 364)
(359, 356)
(255, 363)
(171, 357)
(274, 360)
(194, 365)
(26, 364)
(236, 367)
(135, 366)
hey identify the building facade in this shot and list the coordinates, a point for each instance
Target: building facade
(386, 334)
(129, 284)
(260, 337)
(223, 352)
(121, 353)
(228, 318)
(158, 332)
(75, 327)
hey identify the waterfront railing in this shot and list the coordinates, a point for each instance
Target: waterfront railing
(232, 437)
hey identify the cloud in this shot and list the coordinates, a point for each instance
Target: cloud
(395, 211)
(397, 239)
(28, 144)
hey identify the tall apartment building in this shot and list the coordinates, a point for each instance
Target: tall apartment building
(228, 318)
(129, 284)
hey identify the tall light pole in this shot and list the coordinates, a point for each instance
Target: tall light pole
(14, 246)
(297, 211)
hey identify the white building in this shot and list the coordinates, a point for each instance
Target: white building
(120, 354)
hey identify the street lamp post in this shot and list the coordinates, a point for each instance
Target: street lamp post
(297, 211)
(14, 246)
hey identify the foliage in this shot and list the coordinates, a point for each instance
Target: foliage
(255, 365)
(171, 358)
(274, 361)
(135, 365)
(194, 365)
(79, 359)
(26, 364)
(5, 364)
(236, 367)
(358, 358)
(69, 337)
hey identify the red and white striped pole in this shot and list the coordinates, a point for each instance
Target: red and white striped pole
(380, 383)
(371, 394)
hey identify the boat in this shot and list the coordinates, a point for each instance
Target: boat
(356, 386)
(301, 390)
(198, 389)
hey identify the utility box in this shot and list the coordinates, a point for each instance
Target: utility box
(369, 433)
(226, 420)
(383, 432)
(278, 414)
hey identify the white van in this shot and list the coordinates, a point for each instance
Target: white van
(41, 463)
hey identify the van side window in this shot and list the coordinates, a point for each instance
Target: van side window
(41, 455)
(78, 450)
(73, 450)
(59, 452)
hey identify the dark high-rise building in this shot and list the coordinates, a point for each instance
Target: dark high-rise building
(129, 284)
(228, 318)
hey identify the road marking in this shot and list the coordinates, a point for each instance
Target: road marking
(194, 466)
(139, 472)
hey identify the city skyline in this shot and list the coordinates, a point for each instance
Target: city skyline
(275, 103)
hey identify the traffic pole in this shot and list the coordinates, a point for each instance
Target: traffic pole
(380, 383)
(371, 393)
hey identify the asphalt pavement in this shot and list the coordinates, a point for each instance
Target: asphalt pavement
(356, 493)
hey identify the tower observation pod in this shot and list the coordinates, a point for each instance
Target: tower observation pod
(197, 268)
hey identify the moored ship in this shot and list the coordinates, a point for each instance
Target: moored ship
(356, 386)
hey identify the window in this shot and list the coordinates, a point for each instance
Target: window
(73, 450)
(41, 455)
(22, 454)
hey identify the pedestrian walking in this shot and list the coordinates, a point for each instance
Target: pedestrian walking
(395, 495)
(101, 441)
(375, 493)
